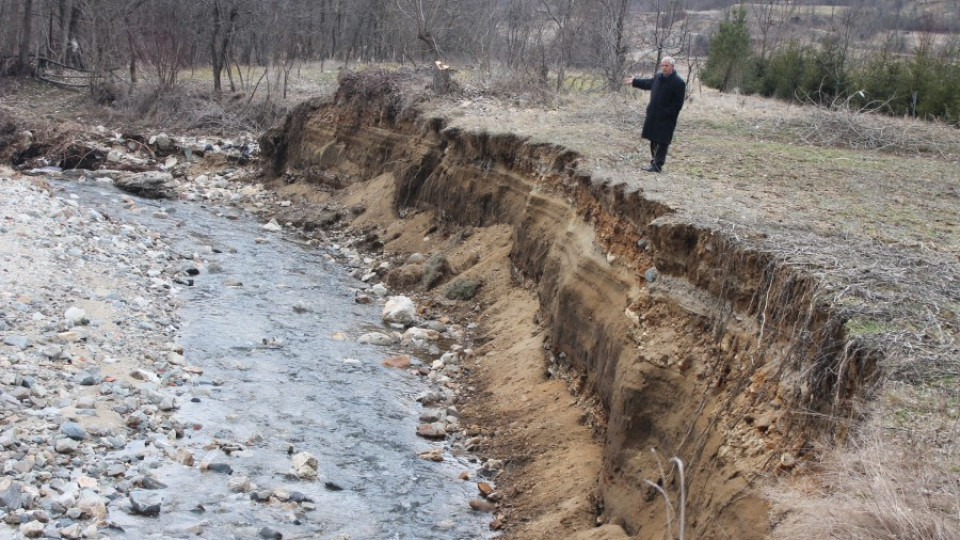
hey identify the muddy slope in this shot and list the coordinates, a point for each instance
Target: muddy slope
(697, 345)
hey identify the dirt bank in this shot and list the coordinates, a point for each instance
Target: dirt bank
(621, 334)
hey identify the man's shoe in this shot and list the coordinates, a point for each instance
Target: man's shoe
(651, 168)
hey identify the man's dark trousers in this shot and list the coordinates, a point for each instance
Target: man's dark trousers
(659, 153)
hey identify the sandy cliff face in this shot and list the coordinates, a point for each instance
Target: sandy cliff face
(693, 344)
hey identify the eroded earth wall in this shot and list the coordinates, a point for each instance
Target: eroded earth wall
(698, 346)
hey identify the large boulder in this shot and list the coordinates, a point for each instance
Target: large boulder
(151, 184)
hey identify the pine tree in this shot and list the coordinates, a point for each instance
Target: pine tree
(729, 50)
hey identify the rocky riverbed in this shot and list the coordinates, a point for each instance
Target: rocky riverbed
(100, 389)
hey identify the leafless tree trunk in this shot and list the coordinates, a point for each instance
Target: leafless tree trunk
(485, 33)
(337, 27)
(220, 40)
(66, 30)
(519, 22)
(133, 51)
(5, 30)
(611, 40)
(26, 37)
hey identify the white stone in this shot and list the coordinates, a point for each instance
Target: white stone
(240, 484)
(304, 458)
(400, 310)
(74, 315)
(420, 334)
(305, 466)
(273, 226)
(31, 529)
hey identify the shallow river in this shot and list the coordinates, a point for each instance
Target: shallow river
(279, 380)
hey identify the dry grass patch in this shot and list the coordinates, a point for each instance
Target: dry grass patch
(898, 478)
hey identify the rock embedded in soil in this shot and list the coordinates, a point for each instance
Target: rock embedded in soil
(74, 431)
(222, 468)
(462, 289)
(481, 505)
(484, 488)
(431, 431)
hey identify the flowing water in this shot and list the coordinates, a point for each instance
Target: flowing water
(275, 333)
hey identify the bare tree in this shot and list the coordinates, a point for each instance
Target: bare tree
(669, 27)
(518, 22)
(613, 40)
(560, 13)
(425, 16)
(26, 37)
(224, 17)
(538, 39)
(771, 17)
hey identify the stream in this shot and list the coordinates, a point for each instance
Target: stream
(274, 326)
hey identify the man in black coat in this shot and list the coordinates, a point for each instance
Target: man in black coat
(667, 93)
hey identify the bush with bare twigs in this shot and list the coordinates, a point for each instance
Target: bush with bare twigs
(383, 92)
(841, 123)
(28, 143)
(8, 132)
(181, 108)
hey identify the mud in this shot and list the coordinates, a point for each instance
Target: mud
(619, 336)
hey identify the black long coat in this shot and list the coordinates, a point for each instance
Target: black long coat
(666, 100)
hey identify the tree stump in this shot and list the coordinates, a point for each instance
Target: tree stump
(443, 82)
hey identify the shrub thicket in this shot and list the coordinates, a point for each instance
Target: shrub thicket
(924, 83)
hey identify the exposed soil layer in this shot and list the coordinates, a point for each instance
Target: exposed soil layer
(617, 336)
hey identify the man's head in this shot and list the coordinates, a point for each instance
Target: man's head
(667, 65)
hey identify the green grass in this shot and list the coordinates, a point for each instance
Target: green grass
(857, 327)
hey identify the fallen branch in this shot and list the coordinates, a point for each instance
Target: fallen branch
(61, 83)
